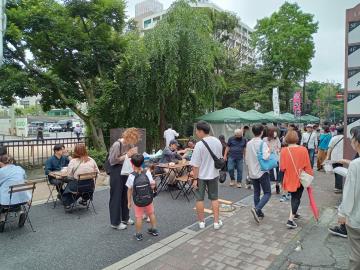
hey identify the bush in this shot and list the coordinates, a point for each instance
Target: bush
(98, 156)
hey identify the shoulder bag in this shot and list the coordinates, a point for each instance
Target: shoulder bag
(335, 146)
(306, 145)
(220, 163)
(107, 165)
(305, 178)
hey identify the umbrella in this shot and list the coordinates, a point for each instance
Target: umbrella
(313, 206)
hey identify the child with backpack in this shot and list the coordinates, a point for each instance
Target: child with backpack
(140, 191)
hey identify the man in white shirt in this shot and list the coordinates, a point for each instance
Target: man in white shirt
(170, 135)
(309, 140)
(336, 153)
(205, 174)
(259, 178)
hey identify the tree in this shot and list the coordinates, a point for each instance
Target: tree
(67, 51)
(284, 42)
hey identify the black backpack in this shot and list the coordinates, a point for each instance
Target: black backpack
(142, 191)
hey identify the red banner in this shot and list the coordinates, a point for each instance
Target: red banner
(297, 103)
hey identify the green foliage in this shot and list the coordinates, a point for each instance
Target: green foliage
(75, 46)
(285, 44)
(99, 156)
(31, 110)
(323, 102)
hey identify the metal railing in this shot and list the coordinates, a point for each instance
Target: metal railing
(34, 153)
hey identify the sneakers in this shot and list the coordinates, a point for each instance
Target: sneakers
(121, 226)
(297, 216)
(22, 219)
(238, 185)
(218, 225)
(339, 231)
(337, 191)
(232, 183)
(285, 198)
(139, 236)
(260, 214)
(201, 225)
(255, 214)
(291, 224)
(153, 232)
(130, 222)
(277, 189)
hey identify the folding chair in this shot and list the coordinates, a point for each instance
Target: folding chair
(25, 207)
(85, 189)
(162, 178)
(52, 188)
(184, 183)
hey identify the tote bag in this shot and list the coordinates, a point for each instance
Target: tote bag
(267, 164)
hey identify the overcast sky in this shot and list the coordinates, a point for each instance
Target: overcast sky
(328, 63)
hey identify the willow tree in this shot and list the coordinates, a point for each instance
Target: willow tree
(182, 53)
(66, 51)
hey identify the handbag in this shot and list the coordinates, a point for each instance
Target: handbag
(267, 164)
(305, 178)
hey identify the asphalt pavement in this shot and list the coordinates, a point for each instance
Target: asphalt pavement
(84, 240)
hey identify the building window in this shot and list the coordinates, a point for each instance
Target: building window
(156, 19)
(147, 23)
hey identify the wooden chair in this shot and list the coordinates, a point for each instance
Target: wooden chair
(15, 208)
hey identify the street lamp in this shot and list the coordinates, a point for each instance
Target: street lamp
(2, 29)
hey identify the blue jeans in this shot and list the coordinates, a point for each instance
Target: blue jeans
(262, 183)
(312, 156)
(238, 165)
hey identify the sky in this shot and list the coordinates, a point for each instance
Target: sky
(329, 61)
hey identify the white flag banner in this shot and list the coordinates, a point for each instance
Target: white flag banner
(276, 104)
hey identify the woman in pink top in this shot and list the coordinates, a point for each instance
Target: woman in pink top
(80, 164)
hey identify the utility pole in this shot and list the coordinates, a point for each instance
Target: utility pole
(2, 29)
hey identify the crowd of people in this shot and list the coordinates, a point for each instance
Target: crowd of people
(290, 150)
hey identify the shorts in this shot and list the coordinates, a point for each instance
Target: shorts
(212, 189)
(140, 211)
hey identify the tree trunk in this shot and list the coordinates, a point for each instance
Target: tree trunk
(162, 124)
(97, 136)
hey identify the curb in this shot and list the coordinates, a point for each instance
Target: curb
(167, 244)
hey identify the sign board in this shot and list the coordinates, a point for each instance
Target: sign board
(354, 79)
(352, 76)
(354, 32)
(276, 103)
(21, 125)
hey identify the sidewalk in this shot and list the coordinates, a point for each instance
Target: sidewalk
(242, 244)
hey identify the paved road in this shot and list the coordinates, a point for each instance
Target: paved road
(64, 241)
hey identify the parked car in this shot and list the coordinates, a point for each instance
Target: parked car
(54, 128)
(68, 125)
(33, 126)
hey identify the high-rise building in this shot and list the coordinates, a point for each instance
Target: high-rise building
(147, 8)
(239, 41)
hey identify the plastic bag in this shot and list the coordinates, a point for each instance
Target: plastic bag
(127, 167)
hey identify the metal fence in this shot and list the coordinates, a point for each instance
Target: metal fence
(34, 153)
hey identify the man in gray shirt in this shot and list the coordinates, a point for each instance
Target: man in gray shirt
(205, 174)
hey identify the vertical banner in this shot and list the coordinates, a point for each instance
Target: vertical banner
(297, 104)
(276, 103)
(352, 76)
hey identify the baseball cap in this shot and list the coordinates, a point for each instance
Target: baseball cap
(310, 125)
(174, 142)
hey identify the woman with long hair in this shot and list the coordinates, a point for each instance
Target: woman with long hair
(274, 144)
(123, 148)
(80, 163)
(293, 160)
